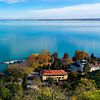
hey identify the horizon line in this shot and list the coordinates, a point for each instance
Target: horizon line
(48, 19)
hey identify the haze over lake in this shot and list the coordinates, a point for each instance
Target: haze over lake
(19, 39)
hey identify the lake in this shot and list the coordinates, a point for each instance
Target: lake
(19, 39)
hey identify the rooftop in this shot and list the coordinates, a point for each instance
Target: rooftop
(53, 72)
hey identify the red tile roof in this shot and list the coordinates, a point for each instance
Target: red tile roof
(53, 72)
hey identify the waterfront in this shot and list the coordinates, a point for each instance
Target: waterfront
(19, 39)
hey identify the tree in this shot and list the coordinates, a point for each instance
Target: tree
(56, 62)
(86, 68)
(66, 60)
(55, 56)
(92, 56)
(90, 95)
(51, 93)
(96, 77)
(14, 88)
(25, 96)
(46, 52)
(24, 83)
(15, 70)
(51, 81)
(79, 55)
(32, 61)
(27, 70)
(45, 94)
(5, 94)
(2, 83)
(68, 87)
(37, 81)
(85, 85)
(37, 60)
(43, 59)
(9, 79)
(73, 76)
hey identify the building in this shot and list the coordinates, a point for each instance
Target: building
(94, 67)
(76, 67)
(54, 74)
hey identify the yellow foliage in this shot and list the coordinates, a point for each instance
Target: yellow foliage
(36, 60)
(27, 70)
(74, 97)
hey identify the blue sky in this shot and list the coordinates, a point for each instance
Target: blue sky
(49, 8)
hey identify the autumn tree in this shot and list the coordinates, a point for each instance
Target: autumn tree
(36, 60)
(80, 55)
(32, 61)
(66, 60)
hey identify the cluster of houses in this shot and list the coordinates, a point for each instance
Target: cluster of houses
(63, 75)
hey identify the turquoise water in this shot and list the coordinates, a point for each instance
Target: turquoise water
(19, 39)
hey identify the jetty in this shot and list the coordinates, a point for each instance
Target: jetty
(12, 62)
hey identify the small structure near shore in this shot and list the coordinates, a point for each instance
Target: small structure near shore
(94, 67)
(12, 62)
(57, 75)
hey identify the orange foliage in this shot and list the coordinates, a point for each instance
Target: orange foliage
(79, 55)
(39, 59)
(66, 59)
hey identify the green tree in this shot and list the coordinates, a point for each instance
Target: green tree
(86, 68)
(5, 94)
(2, 83)
(45, 94)
(51, 81)
(24, 83)
(15, 70)
(37, 81)
(90, 95)
(27, 70)
(9, 79)
(15, 88)
(85, 85)
(95, 75)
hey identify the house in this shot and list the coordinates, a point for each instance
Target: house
(54, 74)
(77, 67)
(94, 67)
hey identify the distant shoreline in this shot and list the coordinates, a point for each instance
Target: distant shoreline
(83, 19)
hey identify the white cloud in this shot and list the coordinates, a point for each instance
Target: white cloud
(12, 1)
(78, 11)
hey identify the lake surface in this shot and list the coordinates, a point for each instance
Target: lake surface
(19, 39)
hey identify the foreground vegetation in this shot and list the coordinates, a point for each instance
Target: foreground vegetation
(15, 84)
